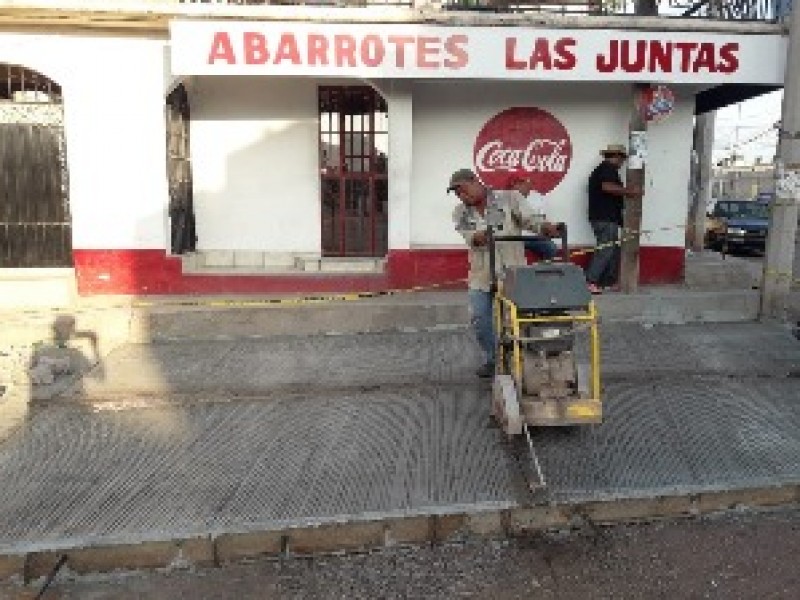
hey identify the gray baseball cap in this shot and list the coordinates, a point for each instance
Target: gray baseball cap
(459, 177)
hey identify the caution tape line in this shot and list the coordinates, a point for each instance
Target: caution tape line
(781, 275)
(355, 296)
(635, 234)
(300, 300)
(627, 234)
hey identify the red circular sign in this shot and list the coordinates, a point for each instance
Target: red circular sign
(656, 103)
(524, 142)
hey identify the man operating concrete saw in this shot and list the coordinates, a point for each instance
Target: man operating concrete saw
(507, 213)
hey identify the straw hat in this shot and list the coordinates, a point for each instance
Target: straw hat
(615, 149)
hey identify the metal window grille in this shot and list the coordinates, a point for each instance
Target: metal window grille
(35, 223)
(354, 150)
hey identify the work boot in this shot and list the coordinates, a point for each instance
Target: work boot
(486, 371)
(594, 288)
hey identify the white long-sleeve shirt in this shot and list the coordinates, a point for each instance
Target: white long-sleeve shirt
(508, 213)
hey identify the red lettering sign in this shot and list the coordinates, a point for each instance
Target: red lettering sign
(342, 50)
(346, 51)
(655, 56)
(523, 141)
(541, 57)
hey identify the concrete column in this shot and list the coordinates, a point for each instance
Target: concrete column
(782, 238)
(701, 188)
(399, 97)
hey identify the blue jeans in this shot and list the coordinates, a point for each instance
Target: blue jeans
(542, 246)
(604, 267)
(482, 318)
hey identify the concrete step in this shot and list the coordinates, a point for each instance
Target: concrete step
(714, 271)
(235, 262)
(105, 323)
(37, 288)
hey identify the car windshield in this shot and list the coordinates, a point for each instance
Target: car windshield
(743, 210)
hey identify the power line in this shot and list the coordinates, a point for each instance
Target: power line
(730, 150)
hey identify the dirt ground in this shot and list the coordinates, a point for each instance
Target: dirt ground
(739, 555)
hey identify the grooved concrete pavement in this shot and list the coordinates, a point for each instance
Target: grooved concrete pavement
(151, 445)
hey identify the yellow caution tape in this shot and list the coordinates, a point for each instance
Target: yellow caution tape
(355, 296)
(304, 299)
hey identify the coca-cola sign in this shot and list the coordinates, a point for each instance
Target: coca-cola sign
(525, 142)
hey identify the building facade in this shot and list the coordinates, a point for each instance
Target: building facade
(231, 149)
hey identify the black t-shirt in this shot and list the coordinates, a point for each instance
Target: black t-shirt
(602, 205)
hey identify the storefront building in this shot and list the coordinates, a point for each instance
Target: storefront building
(309, 156)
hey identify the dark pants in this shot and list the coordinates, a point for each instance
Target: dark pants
(604, 268)
(543, 247)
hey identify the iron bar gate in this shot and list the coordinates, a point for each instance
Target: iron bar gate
(35, 224)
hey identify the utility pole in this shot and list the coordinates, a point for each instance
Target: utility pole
(701, 180)
(782, 237)
(634, 178)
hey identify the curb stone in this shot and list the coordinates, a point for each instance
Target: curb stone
(374, 533)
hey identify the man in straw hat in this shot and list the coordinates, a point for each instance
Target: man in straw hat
(606, 195)
(507, 214)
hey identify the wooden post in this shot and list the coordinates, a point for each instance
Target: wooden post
(634, 178)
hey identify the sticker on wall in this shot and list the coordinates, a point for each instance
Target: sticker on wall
(657, 103)
(638, 150)
(523, 142)
(787, 184)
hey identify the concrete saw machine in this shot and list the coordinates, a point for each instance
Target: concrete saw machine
(538, 310)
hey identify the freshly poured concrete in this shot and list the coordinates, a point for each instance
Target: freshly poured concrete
(176, 440)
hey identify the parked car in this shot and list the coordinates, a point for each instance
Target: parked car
(737, 224)
(765, 197)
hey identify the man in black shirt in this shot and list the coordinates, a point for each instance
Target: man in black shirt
(606, 194)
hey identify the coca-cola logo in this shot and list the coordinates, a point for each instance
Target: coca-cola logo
(524, 142)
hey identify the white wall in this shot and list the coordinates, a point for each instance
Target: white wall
(254, 146)
(667, 173)
(399, 96)
(255, 153)
(114, 126)
(448, 117)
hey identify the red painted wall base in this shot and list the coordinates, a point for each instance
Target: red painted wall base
(153, 272)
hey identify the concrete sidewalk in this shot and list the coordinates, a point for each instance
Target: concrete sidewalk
(194, 431)
(208, 452)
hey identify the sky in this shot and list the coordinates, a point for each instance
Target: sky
(740, 127)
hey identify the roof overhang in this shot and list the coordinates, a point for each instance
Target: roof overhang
(726, 94)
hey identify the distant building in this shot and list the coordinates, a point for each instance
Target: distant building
(743, 181)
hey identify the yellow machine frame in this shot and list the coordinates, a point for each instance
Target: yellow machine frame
(584, 410)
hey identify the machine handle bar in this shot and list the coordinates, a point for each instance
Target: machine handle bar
(493, 239)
